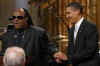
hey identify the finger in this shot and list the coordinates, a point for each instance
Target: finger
(58, 61)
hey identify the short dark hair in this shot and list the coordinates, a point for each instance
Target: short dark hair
(75, 5)
(29, 21)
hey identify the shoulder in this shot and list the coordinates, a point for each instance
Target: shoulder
(38, 30)
(90, 27)
(89, 24)
(9, 32)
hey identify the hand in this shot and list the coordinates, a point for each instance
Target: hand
(59, 56)
(56, 57)
(58, 60)
(62, 56)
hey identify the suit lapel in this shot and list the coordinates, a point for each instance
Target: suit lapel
(27, 37)
(81, 29)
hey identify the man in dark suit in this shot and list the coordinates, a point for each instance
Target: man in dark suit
(34, 41)
(83, 39)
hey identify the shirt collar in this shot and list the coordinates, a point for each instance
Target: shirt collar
(77, 25)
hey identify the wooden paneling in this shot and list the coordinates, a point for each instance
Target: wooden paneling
(98, 16)
(6, 8)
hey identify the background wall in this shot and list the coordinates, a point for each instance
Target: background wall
(6, 8)
(21, 4)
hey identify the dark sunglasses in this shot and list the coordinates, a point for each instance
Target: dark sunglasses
(14, 17)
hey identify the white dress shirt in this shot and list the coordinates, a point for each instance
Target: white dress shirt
(77, 26)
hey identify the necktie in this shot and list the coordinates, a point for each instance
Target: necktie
(71, 34)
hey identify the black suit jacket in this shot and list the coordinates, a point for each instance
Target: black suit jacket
(35, 44)
(84, 52)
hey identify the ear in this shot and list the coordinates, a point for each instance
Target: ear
(78, 11)
(25, 20)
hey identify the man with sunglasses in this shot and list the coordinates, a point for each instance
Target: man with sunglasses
(32, 40)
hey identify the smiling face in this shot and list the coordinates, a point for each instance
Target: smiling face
(19, 20)
(72, 14)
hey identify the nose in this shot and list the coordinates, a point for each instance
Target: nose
(16, 19)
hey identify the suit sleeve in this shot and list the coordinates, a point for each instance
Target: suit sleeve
(43, 40)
